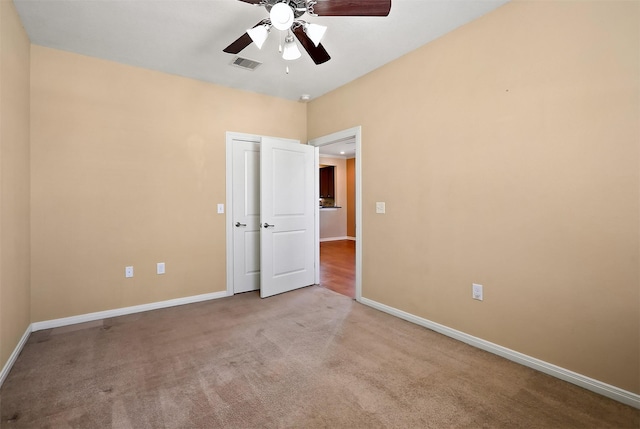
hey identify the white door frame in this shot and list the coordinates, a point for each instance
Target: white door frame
(355, 132)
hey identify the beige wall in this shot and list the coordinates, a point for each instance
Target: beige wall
(351, 197)
(14, 181)
(507, 153)
(333, 223)
(127, 168)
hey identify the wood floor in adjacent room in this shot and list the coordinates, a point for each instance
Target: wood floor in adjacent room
(338, 266)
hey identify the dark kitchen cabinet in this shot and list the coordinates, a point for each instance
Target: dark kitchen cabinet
(327, 182)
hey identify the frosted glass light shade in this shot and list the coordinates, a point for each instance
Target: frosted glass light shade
(291, 51)
(281, 16)
(258, 35)
(315, 32)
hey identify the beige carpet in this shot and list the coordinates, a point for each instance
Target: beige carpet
(309, 358)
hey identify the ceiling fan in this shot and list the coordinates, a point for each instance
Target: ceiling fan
(284, 14)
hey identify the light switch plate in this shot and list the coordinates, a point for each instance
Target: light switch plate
(128, 272)
(476, 291)
(380, 207)
(160, 268)
(220, 208)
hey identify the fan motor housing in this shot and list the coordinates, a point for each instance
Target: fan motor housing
(299, 7)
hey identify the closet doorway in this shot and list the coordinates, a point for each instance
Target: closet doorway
(271, 214)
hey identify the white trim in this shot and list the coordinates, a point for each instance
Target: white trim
(90, 317)
(336, 238)
(358, 134)
(588, 383)
(16, 352)
(351, 238)
(316, 232)
(355, 132)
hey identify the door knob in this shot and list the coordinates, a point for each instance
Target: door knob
(266, 225)
(238, 224)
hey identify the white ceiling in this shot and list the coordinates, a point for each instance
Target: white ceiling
(186, 38)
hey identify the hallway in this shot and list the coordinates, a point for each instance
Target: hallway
(338, 266)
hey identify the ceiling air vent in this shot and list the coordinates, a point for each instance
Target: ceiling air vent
(245, 63)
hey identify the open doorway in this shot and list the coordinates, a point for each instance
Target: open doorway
(339, 225)
(338, 266)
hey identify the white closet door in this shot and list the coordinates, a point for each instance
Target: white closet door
(287, 212)
(246, 216)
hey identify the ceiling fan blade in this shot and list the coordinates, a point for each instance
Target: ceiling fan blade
(251, 1)
(352, 7)
(318, 54)
(241, 42)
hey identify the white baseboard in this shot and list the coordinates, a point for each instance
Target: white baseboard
(335, 239)
(16, 352)
(90, 317)
(596, 386)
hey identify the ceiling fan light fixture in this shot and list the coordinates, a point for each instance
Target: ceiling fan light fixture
(315, 32)
(291, 51)
(281, 16)
(258, 35)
